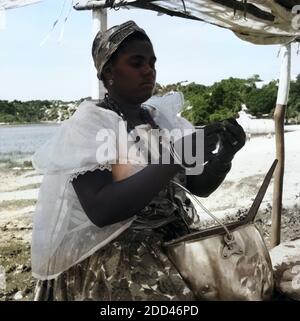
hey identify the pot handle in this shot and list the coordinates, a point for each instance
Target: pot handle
(229, 235)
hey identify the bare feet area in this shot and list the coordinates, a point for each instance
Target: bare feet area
(19, 186)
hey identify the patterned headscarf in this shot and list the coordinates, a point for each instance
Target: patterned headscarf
(106, 43)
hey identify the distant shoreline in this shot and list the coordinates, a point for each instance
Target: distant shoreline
(50, 122)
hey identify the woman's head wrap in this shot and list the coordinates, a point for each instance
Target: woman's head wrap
(106, 43)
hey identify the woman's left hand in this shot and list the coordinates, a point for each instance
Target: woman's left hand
(232, 139)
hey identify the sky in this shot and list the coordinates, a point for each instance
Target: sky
(61, 68)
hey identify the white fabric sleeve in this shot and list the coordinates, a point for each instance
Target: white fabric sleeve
(167, 114)
(83, 142)
(62, 233)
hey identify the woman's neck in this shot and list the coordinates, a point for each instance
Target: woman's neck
(135, 114)
(129, 109)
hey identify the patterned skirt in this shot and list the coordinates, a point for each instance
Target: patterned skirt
(133, 267)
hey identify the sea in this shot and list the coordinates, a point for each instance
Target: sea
(19, 142)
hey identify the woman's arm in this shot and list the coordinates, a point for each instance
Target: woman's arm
(107, 202)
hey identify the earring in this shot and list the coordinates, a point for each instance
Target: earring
(111, 82)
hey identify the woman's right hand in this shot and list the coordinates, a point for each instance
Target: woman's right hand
(200, 144)
(232, 139)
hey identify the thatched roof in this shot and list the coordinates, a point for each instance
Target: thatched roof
(257, 21)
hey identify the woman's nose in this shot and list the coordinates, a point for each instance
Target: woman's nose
(149, 70)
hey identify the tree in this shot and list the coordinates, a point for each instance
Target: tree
(220, 101)
(293, 108)
(262, 100)
(253, 80)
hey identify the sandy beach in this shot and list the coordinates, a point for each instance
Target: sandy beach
(19, 187)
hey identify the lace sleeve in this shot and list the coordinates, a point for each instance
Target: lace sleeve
(102, 167)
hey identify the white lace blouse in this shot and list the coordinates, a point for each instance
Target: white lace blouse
(62, 233)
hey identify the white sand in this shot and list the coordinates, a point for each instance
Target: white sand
(15, 212)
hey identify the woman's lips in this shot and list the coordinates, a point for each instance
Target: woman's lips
(148, 84)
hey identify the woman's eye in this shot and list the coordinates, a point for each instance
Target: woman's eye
(136, 64)
(140, 64)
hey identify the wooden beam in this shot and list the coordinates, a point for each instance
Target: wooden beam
(150, 5)
(247, 7)
(147, 5)
(279, 115)
(91, 5)
(99, 22)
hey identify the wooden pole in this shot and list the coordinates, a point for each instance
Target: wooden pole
(99, 22)
(279, 115)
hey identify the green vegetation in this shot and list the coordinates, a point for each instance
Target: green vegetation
(204, 104)
(293, 110)
(35, 111)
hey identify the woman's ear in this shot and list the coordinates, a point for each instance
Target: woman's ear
(107, 71)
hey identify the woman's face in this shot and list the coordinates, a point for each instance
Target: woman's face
(133, 73)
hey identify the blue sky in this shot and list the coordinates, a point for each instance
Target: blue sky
(186, 50)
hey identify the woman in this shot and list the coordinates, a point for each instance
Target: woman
(100, 222)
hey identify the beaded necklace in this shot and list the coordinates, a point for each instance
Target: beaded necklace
(144, 113)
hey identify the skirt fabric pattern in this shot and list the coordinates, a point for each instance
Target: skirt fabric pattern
(133, 267)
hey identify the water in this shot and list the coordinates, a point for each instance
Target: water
(21, 141)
